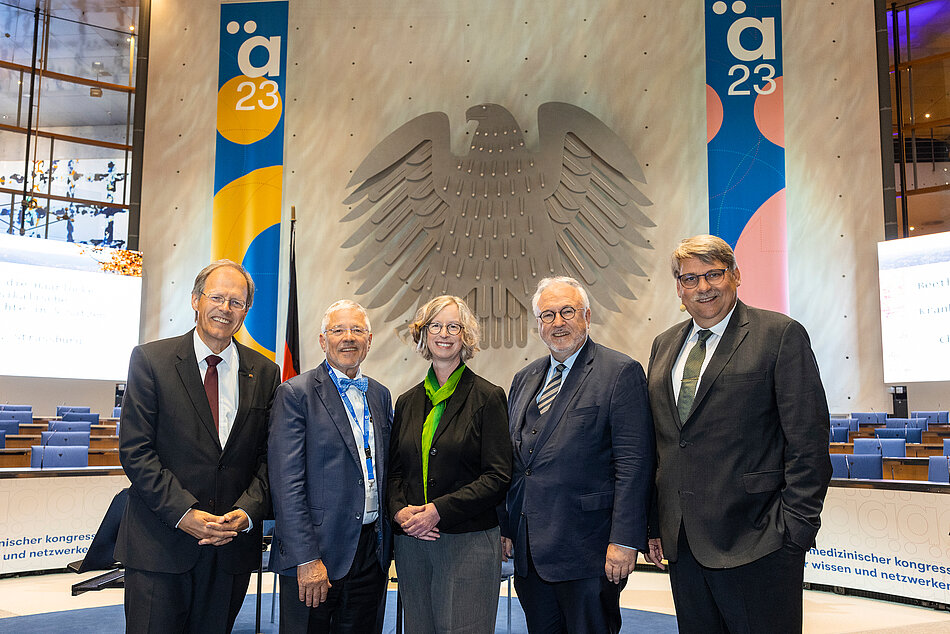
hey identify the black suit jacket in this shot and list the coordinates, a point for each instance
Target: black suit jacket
(748, 469)
(587, 482)
(470, 459)
(169, 448)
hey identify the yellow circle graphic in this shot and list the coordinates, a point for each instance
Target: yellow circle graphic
(248, 109)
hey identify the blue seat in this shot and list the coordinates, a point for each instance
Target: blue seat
(21, 416)
(70, 425)
(857, 466)
(83, 416)
(938, 469)
(116, 412)
(61, 410)
(3, 439)
(910, 435)
(939, 416)
(869, 417)
(63, 438)
(887, 447)
(51, 457)
(901, 423)
(9, 426)
(850, 423)
(15, 408)
(838, 434)
(946, 446)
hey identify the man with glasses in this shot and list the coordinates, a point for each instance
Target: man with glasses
(193, 443)
(742, 452)
(576, 512)
(328, 458)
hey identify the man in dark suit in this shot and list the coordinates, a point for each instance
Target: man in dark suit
(742, 452)
(576, 512)
(329, 450)
(193, 442)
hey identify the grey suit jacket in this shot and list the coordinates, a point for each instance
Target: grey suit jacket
(748, 469)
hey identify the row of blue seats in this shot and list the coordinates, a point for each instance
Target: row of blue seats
(50, 457)
(937, 416)
(61, 410)
(908, 434)
(26, 416)
(871, 466)
(853, 424)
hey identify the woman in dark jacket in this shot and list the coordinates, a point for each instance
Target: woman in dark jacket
(450, 466)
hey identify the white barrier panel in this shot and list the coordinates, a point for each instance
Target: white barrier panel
(47, 522)
(888, 541)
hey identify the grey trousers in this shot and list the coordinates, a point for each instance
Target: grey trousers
(450, 585)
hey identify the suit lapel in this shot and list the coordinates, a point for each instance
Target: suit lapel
(187, 367)
(565, 396)
(247, 378)
(529, 390)
(330, 396)
(379, 419)
(732, 337)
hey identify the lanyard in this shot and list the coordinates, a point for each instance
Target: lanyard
(367, 420)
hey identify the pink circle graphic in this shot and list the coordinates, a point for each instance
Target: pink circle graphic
(713, 113)
(769, 115)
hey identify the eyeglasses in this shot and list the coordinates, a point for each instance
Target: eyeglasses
(339, 331)
(713, 278)
(567, 313)
(435, 328)
(220, 300)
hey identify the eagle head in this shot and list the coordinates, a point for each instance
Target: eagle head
(497, 129)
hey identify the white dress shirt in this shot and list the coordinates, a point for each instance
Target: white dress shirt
(371, 507)
(711, 344)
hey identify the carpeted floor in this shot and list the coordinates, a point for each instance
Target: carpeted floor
(111, 619)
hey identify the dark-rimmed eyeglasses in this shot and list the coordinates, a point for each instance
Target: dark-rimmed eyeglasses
(567, 313)
(713, 278)
(220, 300)
(451, 328)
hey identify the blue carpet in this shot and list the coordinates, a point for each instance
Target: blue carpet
(111, 619)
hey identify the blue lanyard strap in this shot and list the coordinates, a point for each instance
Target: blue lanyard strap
(367, 418)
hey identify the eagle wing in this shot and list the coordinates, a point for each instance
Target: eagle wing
(595, 208)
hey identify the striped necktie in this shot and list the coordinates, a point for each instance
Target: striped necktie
(694, 363)
(550, 390)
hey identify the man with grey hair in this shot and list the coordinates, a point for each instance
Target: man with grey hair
(742, 447)
(193, 442)
(329, 456)
(576, 512)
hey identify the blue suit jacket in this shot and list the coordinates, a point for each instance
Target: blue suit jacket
(589, 479)
(317, 477)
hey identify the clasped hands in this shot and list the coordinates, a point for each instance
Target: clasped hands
(214, 530)
(419, 521)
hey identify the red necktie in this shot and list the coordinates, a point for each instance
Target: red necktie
(211, 385)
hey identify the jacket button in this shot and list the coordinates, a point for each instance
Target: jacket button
(534, 431)
(433, 451)
(683, 443)
(360, 482)
(220, 467)
(357, 516)
(527, 472)
(431, 481)
(211, 503)
(531, 451)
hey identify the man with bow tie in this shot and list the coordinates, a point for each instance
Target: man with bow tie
(328, 456)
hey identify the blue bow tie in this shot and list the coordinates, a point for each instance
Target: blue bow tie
(361, 384)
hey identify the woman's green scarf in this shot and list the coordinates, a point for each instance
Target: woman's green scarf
(438, 396)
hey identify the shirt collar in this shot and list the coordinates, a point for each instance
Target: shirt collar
(569, 362)
(717, 329)
(228, 355)
(339, 375)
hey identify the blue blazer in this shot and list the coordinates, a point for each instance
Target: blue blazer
(588, 480)
(316, 474)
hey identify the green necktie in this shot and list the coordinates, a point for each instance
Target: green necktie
(694, 363)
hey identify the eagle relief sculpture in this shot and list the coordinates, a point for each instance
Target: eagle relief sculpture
(488, 226)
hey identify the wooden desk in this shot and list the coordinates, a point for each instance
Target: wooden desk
(913, 468)
(16, 457)
(110, 458)
(19, 441)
